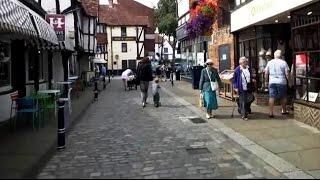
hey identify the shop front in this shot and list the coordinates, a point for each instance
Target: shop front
(305, 24)
(24, 41)
(260, 28)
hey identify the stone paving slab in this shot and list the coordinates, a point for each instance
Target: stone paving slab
(117, 138)
(266, 132)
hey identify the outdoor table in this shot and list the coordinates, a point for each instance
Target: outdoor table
(50, 91)
(73, 78)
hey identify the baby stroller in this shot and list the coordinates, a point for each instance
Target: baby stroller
(132, 82)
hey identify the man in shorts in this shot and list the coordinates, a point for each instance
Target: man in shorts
(277, 73)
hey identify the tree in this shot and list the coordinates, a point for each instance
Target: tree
(167, 21)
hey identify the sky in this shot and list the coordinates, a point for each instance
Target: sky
(150, 3)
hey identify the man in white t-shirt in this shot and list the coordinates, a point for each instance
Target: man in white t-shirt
(125, 75)
(277, 72)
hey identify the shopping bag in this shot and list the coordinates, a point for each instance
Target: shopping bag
(201, 101)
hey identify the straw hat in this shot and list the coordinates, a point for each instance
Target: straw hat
(209, 61)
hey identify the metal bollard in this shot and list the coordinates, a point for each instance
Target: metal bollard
(95, 91)
(104, 83)
(61, 126)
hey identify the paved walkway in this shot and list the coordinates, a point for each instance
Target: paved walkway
(117, 138)
(294, 142)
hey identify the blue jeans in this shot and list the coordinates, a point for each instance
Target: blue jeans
(278, 91)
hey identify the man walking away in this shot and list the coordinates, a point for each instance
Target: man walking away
(277, 72)
(144, 76)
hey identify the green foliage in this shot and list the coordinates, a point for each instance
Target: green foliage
(166, 17)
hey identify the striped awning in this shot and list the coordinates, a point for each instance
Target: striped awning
(46, 32)
(15, 19)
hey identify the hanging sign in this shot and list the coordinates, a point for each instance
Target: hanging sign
(57, 22)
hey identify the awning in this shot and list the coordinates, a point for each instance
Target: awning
(99, 61)
(46, 32)
(15, 19)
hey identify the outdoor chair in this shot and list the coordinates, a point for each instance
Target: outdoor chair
(28, 106)
(14, 96)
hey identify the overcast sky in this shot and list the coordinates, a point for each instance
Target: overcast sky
(149, 3)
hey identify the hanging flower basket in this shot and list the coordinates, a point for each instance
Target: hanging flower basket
(203, 15)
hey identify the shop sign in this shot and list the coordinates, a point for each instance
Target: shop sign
(259, 10)
(124, 38)
(312, 96)
(57, 22)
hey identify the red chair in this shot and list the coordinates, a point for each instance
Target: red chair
(14, 96)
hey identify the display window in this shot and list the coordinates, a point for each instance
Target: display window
(5, 66)
(306, 36)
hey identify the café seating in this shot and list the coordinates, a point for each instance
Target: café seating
(28, 106)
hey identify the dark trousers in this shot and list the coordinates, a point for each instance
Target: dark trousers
(243, 105)
(156, 100)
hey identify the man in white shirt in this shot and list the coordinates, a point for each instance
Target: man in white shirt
(277, 73)
(125, 75)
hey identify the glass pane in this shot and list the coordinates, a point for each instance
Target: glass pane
(4, 64)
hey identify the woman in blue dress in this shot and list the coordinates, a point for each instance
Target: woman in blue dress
(208, 75)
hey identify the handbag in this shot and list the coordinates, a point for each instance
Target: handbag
(201, 103)
(214, 85)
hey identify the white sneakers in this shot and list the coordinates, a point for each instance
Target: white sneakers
(208, 116)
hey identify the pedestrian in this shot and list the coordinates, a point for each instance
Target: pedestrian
(144, 76)
(103, 70)
(209, 83)
(243, 84)
(277, 74)
(125, 76)
(156, 92)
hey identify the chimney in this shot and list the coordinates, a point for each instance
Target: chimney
(110, 3)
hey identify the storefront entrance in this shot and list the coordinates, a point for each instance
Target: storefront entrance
(255, 42)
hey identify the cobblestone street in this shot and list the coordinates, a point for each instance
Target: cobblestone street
(117, 138)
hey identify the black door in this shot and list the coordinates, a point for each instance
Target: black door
(224, 57)
(124, 65)
(133, 64)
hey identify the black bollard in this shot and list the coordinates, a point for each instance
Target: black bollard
(104, 83)
(61, 126)
(95, 91)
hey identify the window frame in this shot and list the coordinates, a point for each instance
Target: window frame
(126, 47)
(123, 31)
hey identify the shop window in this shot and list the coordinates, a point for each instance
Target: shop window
(32, 66)
(307, 77)
(124, 47)
(5, 66)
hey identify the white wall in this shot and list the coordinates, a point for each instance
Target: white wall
(116, 46)
(183, 7)
(259, 10)
(50, 5)
(5, 107)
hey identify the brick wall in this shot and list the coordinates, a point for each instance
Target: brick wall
(221, 36)
(307, 115)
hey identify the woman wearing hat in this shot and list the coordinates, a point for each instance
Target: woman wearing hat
(208, 75)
